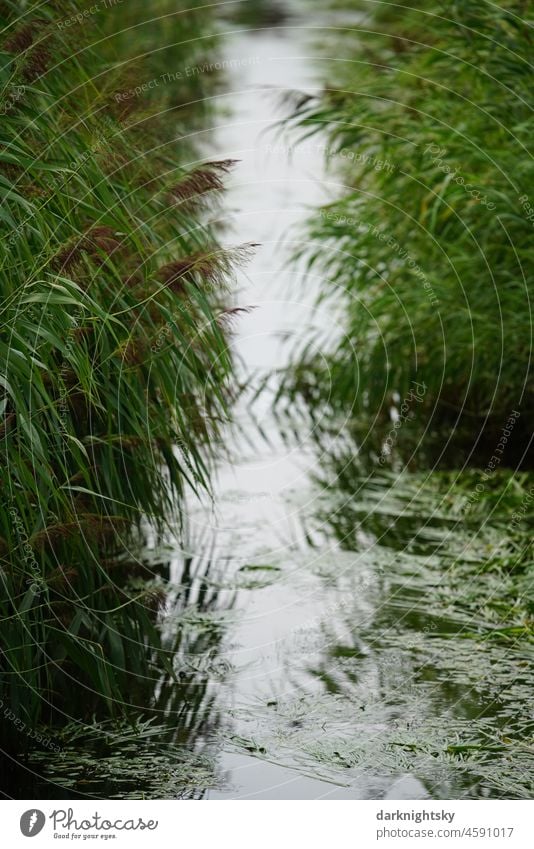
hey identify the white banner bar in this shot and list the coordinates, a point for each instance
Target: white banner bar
(268, 824)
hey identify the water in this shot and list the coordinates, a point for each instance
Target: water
(264, 486)
(327, 623)
(342, 684)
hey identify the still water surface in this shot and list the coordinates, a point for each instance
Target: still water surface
(333, 690)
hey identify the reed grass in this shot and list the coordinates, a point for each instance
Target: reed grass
(115, 374)
(428, 121)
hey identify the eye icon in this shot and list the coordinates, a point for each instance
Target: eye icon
(32, 822)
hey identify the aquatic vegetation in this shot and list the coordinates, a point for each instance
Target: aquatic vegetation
(116, 375)
(425, 665)
(112, 760)
(427, 117)
(167, 745)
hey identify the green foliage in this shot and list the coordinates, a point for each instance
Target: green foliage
(428, 117)
(115, 370)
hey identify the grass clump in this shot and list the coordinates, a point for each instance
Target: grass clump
(115, 371)
(428, 118)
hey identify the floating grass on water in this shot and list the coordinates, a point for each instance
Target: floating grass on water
(116, 761)
(424, 665)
